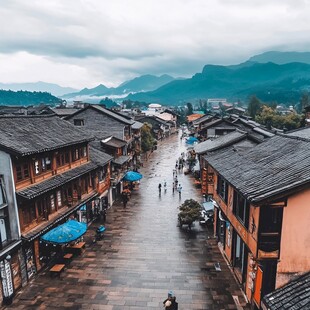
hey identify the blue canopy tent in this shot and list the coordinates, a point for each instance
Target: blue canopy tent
(132, 176)
(65, 233)
(191, 140)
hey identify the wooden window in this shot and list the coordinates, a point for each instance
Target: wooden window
(59, 201)
(52, 203)
(240, 255)
(75, 154)
(42, 165)
(40, 209)
(46, 164)
(241, 208)
(62, 159)
(67, 157)
(222, 188)
(78, 122)
(29, 214)
(84, 151)
(22, 171)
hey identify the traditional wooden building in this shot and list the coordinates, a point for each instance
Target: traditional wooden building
(215, 128)
(197, 124)
(54, 174)
(115, 133)
(10, 242)
(261, 196)
(102, 122)
(160, 128)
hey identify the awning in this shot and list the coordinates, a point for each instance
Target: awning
(208, 205)
(121, 160)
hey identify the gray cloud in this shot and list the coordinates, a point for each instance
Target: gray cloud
(110, 41)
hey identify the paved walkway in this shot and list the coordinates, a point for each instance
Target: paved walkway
(143, 255)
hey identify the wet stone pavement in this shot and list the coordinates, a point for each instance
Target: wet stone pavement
(143, 254)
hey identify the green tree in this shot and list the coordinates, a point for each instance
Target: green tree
(190, 211)
(108, 103)
(254, 106)
(270, 118)
(189, 108)
(147, 140)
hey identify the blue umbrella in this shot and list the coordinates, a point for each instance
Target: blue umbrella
(66, 232)
(132, 176)
(191, 140)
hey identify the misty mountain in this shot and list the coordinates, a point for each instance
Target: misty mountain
(96, 91)
(281, 58)
(144, 83)
(139, 84)
(234, 83)
(53, 89)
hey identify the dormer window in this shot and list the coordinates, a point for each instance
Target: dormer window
(78, 122)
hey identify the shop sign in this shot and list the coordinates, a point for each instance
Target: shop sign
(6, 276)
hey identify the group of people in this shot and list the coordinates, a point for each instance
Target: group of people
(170, 303)
(175, 186)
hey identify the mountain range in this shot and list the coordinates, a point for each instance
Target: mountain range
(271, 76)
(139, 84)
(54, 89)
(269, 80)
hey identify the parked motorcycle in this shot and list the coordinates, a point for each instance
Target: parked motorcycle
(99, 233)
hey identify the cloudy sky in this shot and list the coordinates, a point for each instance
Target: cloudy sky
(81, 43)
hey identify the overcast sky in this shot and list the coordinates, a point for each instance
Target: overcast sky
(81, 43)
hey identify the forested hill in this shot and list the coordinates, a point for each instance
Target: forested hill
(8, 97)
(269, 81)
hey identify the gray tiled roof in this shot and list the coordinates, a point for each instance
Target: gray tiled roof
(108, 112)
(121, 160)
(99, 157)
(64, 111)
(271, 168)
(301, 133)
(115, 142)
(136, 125)
(222, 141)
(55, 181)
(204, 118)
(294, 295)
(24, 135)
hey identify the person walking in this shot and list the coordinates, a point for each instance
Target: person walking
(159, 188)
(179, 189)
(125, 198)
(165, 186)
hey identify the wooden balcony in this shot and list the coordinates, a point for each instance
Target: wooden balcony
(269, 245)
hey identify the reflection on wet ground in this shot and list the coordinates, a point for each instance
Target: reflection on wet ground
(143, 254)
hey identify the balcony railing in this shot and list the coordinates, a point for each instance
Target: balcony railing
(269, 245)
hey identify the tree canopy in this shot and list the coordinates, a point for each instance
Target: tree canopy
(190, 211)
(189, 108)
(147, 140)
(25, 98)
(254, 106)
(270, 118)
